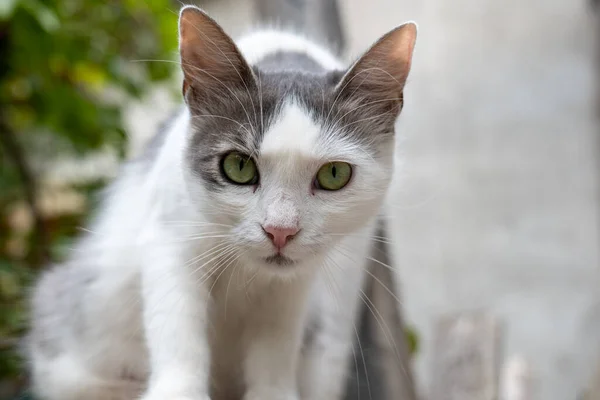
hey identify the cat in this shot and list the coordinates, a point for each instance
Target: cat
(227, 261)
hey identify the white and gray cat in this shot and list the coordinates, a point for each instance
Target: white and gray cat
(227, 262)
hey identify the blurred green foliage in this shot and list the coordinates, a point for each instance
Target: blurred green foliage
(67, 67)
(412, 338)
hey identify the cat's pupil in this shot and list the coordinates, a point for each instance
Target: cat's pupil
(241, 165)
(333, 171)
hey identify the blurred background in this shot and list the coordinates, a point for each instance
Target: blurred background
(497, 197)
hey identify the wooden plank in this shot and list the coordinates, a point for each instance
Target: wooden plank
(319, 19)
(466, 357)
(593, 389)
(517, 379)
(383, 371)
(387, 327)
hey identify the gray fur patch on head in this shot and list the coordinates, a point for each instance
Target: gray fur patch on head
(238, 118)
(232, 103)
(235, 121)
(290, 61)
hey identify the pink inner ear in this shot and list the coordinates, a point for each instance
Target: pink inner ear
(384, 68)
(210, 59)
(403, 47)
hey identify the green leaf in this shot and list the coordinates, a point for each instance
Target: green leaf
(7, 8)
(27, 396)
(9, 284)
(413, 340)
(89, 74)
(44, 15)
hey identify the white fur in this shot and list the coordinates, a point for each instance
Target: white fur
(181, 314)
(259, 44)
(294, 131)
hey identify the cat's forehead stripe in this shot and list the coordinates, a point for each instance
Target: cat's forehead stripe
(293, 131)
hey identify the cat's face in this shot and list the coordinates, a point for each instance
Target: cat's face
(285, 164)
(313, 176)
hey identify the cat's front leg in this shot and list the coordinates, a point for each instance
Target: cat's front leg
(325, 363)
(175, 321)
(327, 355)
(274, 344)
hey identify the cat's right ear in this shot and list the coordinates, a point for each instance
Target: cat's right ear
(380, 74)
(211, 62)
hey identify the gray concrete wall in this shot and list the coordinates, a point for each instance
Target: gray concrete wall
(497, 202)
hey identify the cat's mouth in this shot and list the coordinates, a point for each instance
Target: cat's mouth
(279, 260)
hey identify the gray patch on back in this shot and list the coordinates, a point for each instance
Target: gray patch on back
(290, 61)
(56, 308)
(154, 145)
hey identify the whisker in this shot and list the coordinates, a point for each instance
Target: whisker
(217, 248)
(195, 223)
(339, 250)
(364, 119)
(221, 253)
(385, 329)
(216, 267)
(192, 238)
(231, 258)
(364, 361)
(380, 321)
(380, 239)
(363, 106)
(235, 268)
(338, 307)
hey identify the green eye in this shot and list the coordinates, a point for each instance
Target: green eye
(334, 175)
(240, 169)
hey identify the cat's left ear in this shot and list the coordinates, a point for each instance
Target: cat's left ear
(211, 62)
(381, 73)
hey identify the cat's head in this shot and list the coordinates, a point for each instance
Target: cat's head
(285, 164)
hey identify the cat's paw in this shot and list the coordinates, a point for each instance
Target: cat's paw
(173, 395)
(175, 386)
(162, 396)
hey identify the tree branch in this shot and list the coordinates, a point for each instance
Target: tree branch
(17, 156)
(15, 153)
(9, 343)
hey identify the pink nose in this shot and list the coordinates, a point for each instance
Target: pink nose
(279, 235)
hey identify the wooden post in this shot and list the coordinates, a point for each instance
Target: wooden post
(466, 358)
(593, 389)
(388, 330)
(386, 363)
(320, 19)
(517, 380)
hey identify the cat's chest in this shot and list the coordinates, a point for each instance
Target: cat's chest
(233, 307)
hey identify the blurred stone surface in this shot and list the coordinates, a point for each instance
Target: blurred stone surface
(496, 205)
